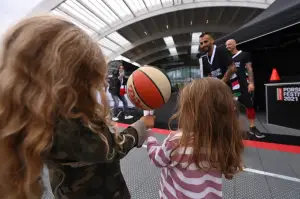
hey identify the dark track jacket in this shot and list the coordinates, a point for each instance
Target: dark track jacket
(79, 167)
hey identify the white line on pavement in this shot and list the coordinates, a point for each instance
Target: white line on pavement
(272, 174)
(266, 173)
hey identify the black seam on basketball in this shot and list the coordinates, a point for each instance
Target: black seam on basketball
(133, 88)
(138, 94)
(155, 86)
(163, 73)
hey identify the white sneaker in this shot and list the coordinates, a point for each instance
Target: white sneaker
(128, 117)
(115, 119)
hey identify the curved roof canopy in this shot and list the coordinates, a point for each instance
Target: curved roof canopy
(141, 31)
(278, 16)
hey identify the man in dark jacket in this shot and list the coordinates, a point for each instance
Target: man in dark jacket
(114, 89)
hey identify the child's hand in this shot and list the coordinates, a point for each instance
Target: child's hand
(149, 133)
(148, 121)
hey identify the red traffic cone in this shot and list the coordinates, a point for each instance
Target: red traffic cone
(274, 75)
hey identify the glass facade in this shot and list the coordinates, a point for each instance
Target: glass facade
(178, 76)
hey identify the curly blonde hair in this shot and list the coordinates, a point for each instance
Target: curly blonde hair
(209, 123)
(48, 68)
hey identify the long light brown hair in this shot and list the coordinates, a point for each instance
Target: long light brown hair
(209, 124)
(48, 68)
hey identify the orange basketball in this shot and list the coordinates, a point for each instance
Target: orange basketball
(148, 88)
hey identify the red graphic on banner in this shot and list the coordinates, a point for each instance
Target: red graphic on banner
(279, 94)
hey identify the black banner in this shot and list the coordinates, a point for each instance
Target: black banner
(283, 105)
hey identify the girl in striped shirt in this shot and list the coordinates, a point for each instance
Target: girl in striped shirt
(208, 143)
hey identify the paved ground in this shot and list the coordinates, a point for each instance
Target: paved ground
(269, 174)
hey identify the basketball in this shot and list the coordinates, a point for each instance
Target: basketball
(148, 88)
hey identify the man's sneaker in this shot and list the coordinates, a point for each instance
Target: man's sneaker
(256, 132)
(115, 119)
(127, 117)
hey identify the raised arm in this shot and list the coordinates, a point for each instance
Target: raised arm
(160, 154)
(228, 63)
(230, 71)
(250, 73)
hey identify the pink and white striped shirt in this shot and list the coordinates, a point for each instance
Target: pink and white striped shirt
(177, 180)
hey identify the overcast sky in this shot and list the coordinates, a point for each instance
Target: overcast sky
(13, 10)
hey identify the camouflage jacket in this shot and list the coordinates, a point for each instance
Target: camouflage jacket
(78, 165)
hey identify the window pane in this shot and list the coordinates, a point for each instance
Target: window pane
(119, 39)
(109, 44)
(119, 7)
(98, 7)
(137, 6)
(77, 23)
(76, 10)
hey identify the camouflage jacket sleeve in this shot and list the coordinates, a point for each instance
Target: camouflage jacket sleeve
(74, 142)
